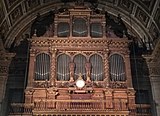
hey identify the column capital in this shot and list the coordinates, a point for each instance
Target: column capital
(5, 61)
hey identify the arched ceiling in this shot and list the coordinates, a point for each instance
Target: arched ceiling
(142, 17)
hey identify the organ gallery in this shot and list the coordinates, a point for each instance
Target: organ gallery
(80, 68)
(79, 58)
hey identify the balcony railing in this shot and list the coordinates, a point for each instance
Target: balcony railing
(143, 110)
(20, 108)
(75, 105)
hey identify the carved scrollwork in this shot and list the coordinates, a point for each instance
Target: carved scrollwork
(63, 84)
(29, 91)
(118, 85)
(131, 92)
(108, 92)
(41, 84)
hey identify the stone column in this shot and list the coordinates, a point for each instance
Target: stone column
(153, 63)
(155, 87)
(5, 60)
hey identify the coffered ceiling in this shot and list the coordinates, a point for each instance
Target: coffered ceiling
(142, 17)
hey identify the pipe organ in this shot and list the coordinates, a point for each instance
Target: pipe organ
(80, 70)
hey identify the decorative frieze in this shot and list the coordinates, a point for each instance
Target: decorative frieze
(79, 43)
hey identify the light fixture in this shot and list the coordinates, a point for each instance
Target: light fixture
(80, 83)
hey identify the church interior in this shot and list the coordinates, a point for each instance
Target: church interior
(79, 57)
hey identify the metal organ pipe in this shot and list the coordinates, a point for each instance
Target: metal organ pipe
(63, 67)
(42, 67)
(116, 66)
(80, 62)
(97, 68)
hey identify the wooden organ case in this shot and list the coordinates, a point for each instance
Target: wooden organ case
(78, 69)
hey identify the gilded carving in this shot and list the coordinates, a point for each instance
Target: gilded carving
(118, 85)
(131, 92)
(29, 91)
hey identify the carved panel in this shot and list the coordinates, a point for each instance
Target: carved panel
(10, 4)
(16, 14)
(157, 17)
(154, 31)
(30, 4)
(142, 16)
(127, 5)
(118, 85)
(146, 4)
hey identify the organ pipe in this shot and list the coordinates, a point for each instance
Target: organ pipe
(97, 68)
(80, 62)
(42, 69)
(63, 68)
(117, 69)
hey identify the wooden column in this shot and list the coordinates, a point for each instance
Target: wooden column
(128, 71)
(131, 102)
(31, 69)
(106, 68)
(53, 66)
(109, 98)
(51, 96)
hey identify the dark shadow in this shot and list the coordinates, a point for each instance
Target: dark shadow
(17, 76)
